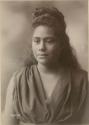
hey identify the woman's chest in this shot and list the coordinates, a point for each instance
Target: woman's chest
(21, 123)
(49, 84)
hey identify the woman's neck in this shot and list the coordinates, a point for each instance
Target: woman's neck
(48, 69)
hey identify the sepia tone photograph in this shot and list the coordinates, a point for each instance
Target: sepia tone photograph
(44, 63)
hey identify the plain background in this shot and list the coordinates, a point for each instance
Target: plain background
(16, 35)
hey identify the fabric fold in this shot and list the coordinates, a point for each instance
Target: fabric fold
(32, 105)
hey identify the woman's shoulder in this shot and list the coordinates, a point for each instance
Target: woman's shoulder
(79, 85)
(79, 74)
(79, 78)
(23, 71)
(19, 75)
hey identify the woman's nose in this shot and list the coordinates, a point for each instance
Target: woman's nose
(42, 45)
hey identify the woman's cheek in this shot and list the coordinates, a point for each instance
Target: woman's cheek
(34, 51)
(53, 49)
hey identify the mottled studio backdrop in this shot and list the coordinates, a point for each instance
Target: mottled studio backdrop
(16, 34)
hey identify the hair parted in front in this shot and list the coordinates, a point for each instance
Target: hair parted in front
(53, 18)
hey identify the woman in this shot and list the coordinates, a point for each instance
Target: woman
(53, 89)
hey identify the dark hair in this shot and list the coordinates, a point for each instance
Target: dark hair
(52, 17)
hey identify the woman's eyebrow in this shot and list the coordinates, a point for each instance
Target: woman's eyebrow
(51, 38)
(44, 38)
(48, 37)
(36, 37)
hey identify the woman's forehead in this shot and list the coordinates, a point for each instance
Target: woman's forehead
(43, 31)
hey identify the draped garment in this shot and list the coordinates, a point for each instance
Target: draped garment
(31, 104)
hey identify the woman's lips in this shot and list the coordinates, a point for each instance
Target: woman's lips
(42, 55)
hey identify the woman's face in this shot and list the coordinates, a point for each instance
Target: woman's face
(45, 46)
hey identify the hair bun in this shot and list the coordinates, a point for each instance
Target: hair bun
(52, 11)
(50, 16)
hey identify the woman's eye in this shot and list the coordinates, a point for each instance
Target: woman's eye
(36, 40)
(49, 40)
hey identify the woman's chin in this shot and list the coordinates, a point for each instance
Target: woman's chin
(43, 61)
